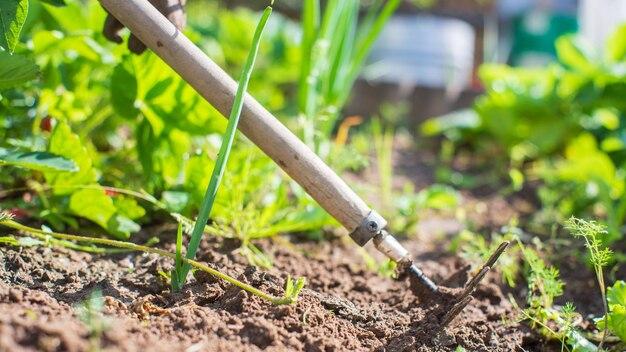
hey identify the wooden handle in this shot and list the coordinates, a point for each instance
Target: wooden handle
(258, 124)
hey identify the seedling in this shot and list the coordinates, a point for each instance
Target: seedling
(544, 285)
(90, 313)
(599, 254)
(220, 165)
(292, 290)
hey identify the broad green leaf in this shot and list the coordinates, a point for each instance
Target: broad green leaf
(616, 45)
(65, 143)
(40, 161)
(128, 207)
(93, 204)
(572, 53)
(124, 89)
(617, 294)
(12, 17)
(122, 227)
(438, 197)
(16, 70)
(616, 319)
(586, 163)
(175, 201)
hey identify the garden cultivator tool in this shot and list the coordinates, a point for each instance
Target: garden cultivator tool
(262, 128)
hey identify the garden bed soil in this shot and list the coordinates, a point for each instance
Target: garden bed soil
(344, 307)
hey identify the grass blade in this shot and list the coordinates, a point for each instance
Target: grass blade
(227, 142)
(365, 44)
(310, 26)
(176, 278)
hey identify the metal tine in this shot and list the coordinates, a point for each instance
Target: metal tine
(497, 253)
(473, 283)
(454, 311)
(465, 297)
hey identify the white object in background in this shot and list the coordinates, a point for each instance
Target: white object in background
(599, 18)
(423, 50)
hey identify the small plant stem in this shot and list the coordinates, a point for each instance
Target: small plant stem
(222, 158)
(600, 276)
(136, 247)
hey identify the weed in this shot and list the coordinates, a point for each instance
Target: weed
(599, 255)
(477, 249)
(90, 313)
(289, 297)
(544, 285)
(222, 158)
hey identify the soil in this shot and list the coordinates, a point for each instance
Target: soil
(343, 307)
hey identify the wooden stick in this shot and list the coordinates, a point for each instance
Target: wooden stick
(258, 124)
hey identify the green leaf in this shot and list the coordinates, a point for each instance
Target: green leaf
(57, 3)
(616, 45)
(12, 17)
(227, 143)
(128, 207)
(16, 70)
(438, 197)
(617, 294)
(40, 161)
(579, 343)
(462, 119)
(572, 53)
(124, 89)
(65, 143)
(616, 319)
(175, 201)
(93, 204)
(122, 227)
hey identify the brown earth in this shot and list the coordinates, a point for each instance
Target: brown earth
(343, 307)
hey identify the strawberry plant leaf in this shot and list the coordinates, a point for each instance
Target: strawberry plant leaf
(40, 161)
(93, 204)
(65, 143)
(12, 17)
(124, 89)
(128, 207)
(16, 70)
(90, 203)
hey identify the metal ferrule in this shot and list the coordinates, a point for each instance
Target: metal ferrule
(389, 246)
(371, 226)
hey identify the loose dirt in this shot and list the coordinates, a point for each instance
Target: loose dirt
(344, 307)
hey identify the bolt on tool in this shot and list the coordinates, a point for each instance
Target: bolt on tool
(264, 130)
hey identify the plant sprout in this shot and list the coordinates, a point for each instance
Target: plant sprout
(599, 254)
(220, 165)
(290, 296)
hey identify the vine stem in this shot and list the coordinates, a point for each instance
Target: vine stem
(136, 247)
